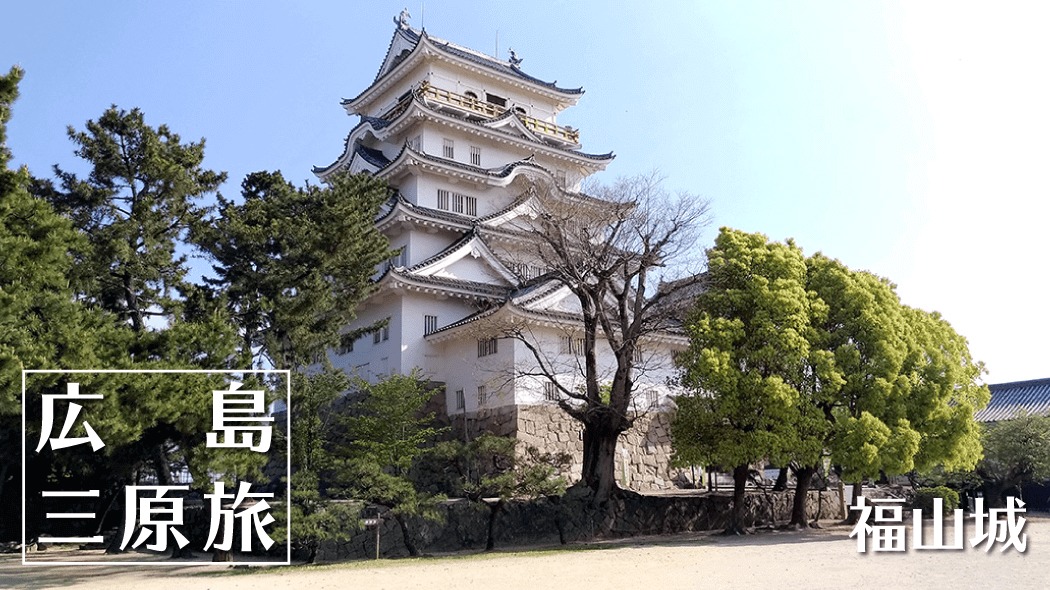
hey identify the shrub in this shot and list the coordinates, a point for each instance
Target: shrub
(924, 499)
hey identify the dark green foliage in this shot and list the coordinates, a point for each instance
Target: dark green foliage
(294, 263)
(924, 499)
(135, 208)
(387, 431)
(8, 96)
(85, 267)
(491, 467)
(314, 517)
(489, 470)
(1016, 452)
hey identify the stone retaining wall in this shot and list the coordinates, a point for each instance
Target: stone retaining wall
(568, 519)
(643, 459)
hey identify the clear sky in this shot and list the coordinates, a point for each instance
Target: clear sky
(910, 139)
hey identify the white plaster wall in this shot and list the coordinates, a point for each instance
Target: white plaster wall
(382, 358)
(458, 365)
(423, 245)
(492, 154)
(388, 99)
(490, 199)
(416, 352)
(469, 268)
(409, 188)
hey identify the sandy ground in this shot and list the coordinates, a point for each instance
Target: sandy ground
(811, 560)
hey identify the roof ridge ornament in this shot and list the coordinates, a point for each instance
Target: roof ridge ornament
(401, 20)
(514, 60)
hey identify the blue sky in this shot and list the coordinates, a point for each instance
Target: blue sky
(908, 139)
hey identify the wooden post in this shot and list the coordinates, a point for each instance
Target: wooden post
(375, 523)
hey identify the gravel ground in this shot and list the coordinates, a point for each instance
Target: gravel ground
(813, 559)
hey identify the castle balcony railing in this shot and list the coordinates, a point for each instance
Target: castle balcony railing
(471, 105)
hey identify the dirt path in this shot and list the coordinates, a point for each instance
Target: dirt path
(811, 560)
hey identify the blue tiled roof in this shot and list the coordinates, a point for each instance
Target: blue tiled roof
(1032, 397)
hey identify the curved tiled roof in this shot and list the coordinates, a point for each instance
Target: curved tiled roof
(447, 47)
(1032, 397)
(470, 235)
(400, 201)
(378, 123)
(498, 172)
(482, 290)
(372, 156)
(479, 58)
(469, 319)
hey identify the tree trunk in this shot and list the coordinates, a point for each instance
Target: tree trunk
(599, 460)
(853, 516)
(736, 524)
(494, 510)
(114, 543)
(559, 515)
(994, 493)
(406, 536)
(804, 478)
(782, 480)
(3, 479)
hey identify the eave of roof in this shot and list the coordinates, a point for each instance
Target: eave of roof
(456, 52)
(406, 211)
(399, 278)
(1032, 397)
(410, 156)
(407, 114)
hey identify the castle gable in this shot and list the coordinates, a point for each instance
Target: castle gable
(470, 259)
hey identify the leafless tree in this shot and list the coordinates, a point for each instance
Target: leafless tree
(629, 253)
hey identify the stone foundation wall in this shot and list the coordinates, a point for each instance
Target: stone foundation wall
(568, 520)
(643, 459)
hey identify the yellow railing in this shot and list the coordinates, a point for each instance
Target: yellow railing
(551, 129)
(487, 109)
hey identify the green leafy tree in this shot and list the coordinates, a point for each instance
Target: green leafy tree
(387, 430)
(135, 208)
(880, 387)
(857, 351)
(1016, 452)
(903, 388)
(133, 212)
(314, 518)
(294, 263)
(489, 470)
(41, 326)
(291, 266)
(944, 393)
(745, 360)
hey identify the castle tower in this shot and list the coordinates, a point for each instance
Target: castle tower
(461, 135)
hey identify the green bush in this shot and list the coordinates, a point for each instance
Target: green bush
(924, 499)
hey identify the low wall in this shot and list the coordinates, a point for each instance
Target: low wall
(568, 519)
